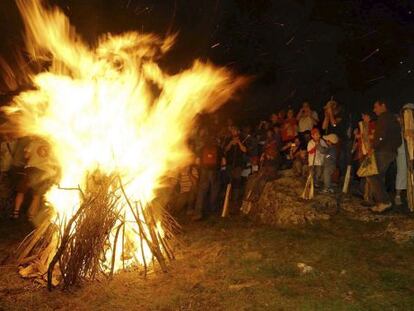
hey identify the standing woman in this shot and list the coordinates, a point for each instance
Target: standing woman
(402, 169)
(401, 177)
(289, 127)
(365, 137)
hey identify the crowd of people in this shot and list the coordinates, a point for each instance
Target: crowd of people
(321, 145)
(305, 141)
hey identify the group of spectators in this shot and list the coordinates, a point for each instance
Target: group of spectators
(323, 144)
(305, 141)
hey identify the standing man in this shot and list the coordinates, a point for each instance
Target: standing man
(387, 139)
(210, 159)
(235, 152)
(307, 120)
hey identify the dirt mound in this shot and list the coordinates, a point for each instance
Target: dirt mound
(279, 203)
(401, 231)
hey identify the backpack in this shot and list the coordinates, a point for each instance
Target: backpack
(209, 157)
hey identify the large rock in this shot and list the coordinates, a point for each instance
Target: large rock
(280, 203)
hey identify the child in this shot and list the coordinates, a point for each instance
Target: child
(329, 161)
(289, 152)
(270, 157)
(297, 155)
(40, 173)
(187, 182)
(315, 157)
(7, 149)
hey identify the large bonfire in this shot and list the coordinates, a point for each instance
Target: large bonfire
(117, 125)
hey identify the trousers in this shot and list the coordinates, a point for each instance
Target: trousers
(377, 182)
(328, 170)
(208, 185)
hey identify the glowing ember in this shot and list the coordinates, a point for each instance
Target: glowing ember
(98, 110)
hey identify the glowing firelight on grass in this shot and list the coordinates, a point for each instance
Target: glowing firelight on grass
(112, 109)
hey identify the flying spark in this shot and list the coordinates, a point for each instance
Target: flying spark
(370, 55)
(290, 41)
(376, 79)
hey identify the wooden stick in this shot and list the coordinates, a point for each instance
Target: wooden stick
(114, 249)
(159, 237)
(226, 201)
(153, 248)
(123, 241)
(156, 244)
(65, 240)
(308, 191)
(347, 179)
(142, 248)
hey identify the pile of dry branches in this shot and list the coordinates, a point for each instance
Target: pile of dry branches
(78, 250)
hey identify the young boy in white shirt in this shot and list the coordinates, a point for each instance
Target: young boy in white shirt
(315, 157)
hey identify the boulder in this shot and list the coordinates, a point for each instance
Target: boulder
(279, 203)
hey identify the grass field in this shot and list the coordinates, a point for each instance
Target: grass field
(233, 264)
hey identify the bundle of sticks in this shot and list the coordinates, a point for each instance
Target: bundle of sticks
(309, 190)
(78, 249)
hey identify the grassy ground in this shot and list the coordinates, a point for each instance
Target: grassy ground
(234, 264)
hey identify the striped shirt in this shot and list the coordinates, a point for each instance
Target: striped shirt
(187, 179)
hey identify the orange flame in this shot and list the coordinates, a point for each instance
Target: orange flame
(97, 107)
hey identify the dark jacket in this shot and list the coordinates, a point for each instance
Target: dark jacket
(387, 136)
(210, 155)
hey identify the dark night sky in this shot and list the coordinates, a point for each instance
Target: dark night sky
(296, 49)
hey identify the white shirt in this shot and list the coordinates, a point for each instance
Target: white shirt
(306, 123)
(40, 156)
(312, 152)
